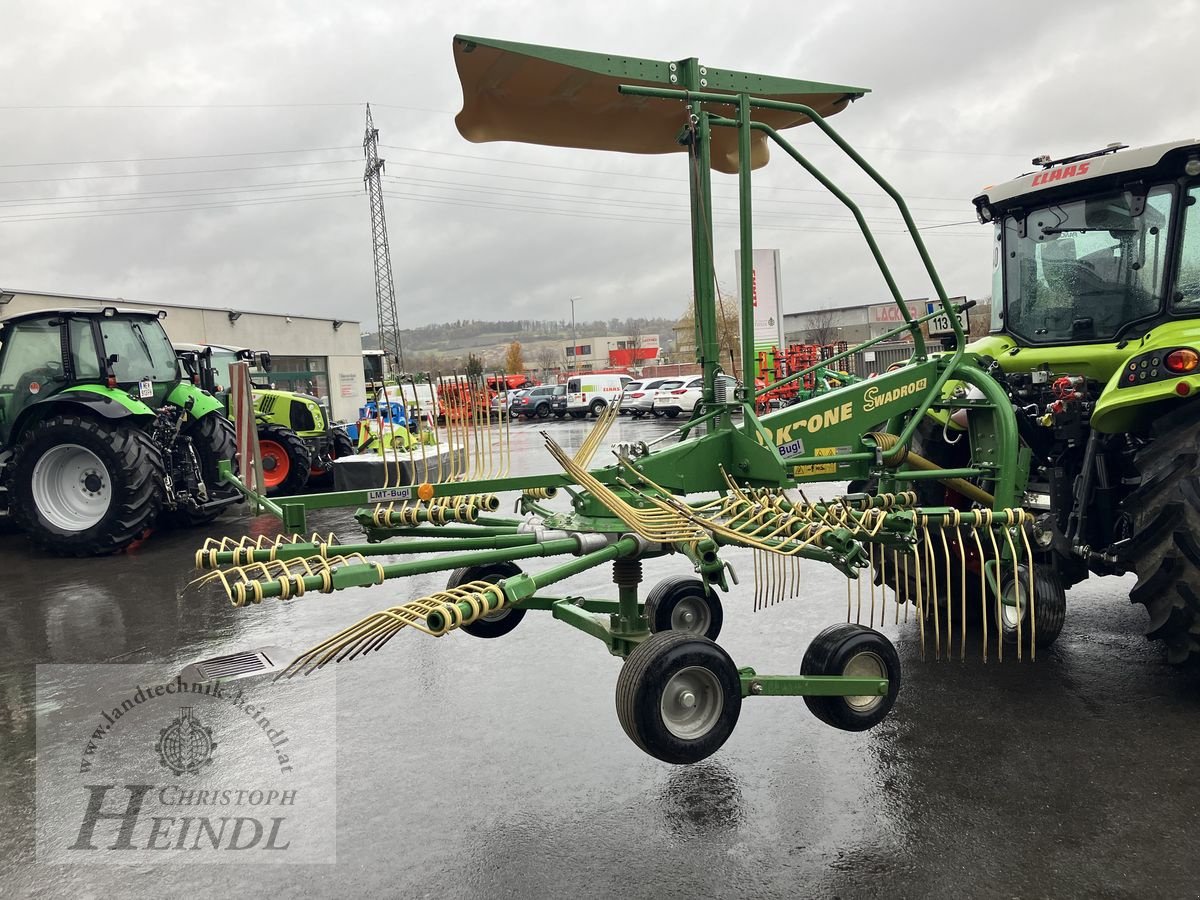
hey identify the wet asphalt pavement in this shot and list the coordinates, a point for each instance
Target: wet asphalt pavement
(469, 768)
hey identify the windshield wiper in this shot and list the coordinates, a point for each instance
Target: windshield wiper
(1086, 230)
(137, 332)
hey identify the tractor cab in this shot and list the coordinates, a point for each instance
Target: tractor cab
(208, 366)
(47, 352)
(1096, 248)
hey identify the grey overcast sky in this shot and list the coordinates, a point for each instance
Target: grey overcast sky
(236, 130)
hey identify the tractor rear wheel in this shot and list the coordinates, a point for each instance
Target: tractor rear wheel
(1162, 517)
(286, 460)
(214, 439)
(86, 487)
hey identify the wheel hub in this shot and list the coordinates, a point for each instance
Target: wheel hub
(865, 665)
(71, 488)
(692, 702)
(691, 615)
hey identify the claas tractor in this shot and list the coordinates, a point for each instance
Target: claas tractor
(100, 436)
(983, 479)
(1095, 340)
(296, 434)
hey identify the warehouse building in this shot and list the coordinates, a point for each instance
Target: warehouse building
(853, 324)
(612, 352)
(322, 357)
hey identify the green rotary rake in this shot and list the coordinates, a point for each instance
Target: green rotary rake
(729, 479)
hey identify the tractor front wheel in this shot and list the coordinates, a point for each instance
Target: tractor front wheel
(86, 487)
(1162, 519)
(285, 458)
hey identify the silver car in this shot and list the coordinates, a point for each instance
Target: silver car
(639, 395)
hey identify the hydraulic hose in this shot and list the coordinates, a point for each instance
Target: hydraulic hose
(885, 442)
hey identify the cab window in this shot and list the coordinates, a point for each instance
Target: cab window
(1084, 269)
(1187, 288)
(30, 367)
(85, 358)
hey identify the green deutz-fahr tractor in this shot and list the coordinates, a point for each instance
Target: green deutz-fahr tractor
(99, 434)
(1095, 336)
(295, 431)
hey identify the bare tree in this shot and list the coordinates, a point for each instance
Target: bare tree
(633, 328)
(823, 328)
(981, 319)
(547, 358)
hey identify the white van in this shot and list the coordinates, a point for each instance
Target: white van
(592, 393)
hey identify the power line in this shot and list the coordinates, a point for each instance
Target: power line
(474, 204)
(98, 162)
(137, 195)
(181, 105)
(320, 162)
(600, 201)
(32, 217)
(640, 189)
(611, 174)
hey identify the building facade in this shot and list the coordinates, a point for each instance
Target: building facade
(852, 324)
(321, 357)
(612, 352)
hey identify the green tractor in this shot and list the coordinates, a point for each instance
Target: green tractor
(295, 432)
(1095, 337)
(99, 435)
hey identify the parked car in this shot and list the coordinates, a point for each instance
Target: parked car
(638, 396)
(504, 400)
(662, 399)
(675, 397)
(592, 393)
(539, 402)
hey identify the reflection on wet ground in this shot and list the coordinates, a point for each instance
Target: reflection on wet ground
(497, 768)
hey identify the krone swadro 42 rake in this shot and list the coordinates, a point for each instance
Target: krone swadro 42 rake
(726, 481)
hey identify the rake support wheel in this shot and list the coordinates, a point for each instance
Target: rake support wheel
(495, 624)
(678, 697)
(683, 604)
(854, 650)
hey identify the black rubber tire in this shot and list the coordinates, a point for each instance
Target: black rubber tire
(928, 442)
(135, 472)
(672, 413)
(341, 445)
(657, 413)
(1162, 518)
(596, 407)
(637, 413)
(497, 624)
(665, 597)
(560, 415)
(578, 415)
(542, 411)
(299, 459)
(1049, 606)
(829, 654)
(646, 674)
(214, 438)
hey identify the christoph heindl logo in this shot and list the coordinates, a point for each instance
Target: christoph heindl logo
(185, 745)
(133, 767)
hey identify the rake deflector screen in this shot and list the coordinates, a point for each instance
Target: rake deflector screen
(568, 98)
